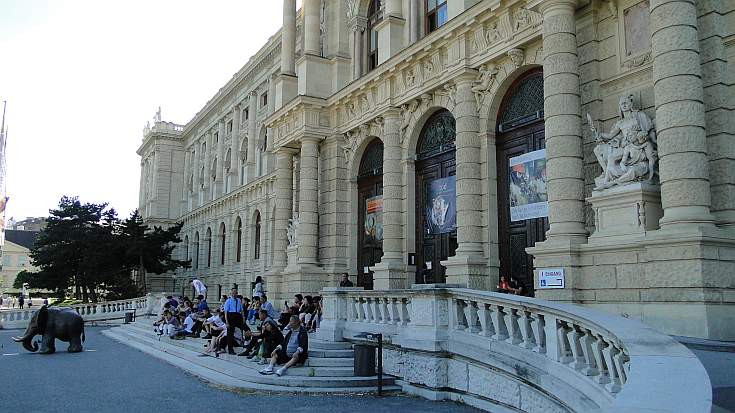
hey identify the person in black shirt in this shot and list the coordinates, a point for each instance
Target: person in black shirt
(346, 281)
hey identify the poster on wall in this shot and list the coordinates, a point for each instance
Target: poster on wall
(528, 196)
(374, 218)
(441, 206)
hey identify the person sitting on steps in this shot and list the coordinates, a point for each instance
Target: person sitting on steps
(293, 350)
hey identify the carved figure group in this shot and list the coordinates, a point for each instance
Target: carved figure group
(484, 82)
(628, 153)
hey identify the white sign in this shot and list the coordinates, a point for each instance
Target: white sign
(527, 186)
(551, 278)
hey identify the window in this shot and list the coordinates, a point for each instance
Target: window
(209, 247)
(238, 246)
(436, 14)
(245, 114)
(256, 248)
(216, 137)
(222, 246)
(196, 251)
(186, 248)
(229, 127)
(264, 100)
(374, 17)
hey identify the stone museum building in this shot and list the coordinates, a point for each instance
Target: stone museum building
(585, 148)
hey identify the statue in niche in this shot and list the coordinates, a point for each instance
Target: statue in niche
(629, 152)
(292, 231)
(484, 82)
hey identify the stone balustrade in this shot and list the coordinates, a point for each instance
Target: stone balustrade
(507, 353)
(110, 310)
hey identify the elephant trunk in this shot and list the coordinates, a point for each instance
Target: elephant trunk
(27, 340)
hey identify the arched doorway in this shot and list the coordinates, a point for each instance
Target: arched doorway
(436, 229)
(522, 214)
(370, 212)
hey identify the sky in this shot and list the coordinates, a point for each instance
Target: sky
(82, 77)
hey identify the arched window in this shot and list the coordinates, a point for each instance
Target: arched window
(228, 169)
(196, 252)
(238, 246)
(209, 247)
(436, 14)
(374, 17)
(256, 244)
(437, 136)
(186, 248)
(525, 105)
(212, 184)
(223, 241)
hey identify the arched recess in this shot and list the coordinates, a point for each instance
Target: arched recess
(196, 250)
(370, 212)
(186, 247)
(272, 237)
(228, 170)
(435, 199)
(238, 239)
(256, 235)
(208, 240)
(262, 147)
(519, 131)
(243, 159)
(222, 242)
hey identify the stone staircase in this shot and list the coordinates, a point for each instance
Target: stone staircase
(329, 368)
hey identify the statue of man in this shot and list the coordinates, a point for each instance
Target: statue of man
(620, 161)
(483, 83)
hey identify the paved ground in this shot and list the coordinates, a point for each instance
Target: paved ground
(111, 377)
(720, 366)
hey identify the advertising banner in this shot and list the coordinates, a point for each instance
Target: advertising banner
(441, 206)
(374, 219)
(528, 196)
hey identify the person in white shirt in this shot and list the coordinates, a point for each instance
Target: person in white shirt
(267, 306)
(258, 291)
(189, 325)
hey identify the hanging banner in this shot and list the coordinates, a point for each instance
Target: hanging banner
(528, 196)
(374, 219)
(441, 206)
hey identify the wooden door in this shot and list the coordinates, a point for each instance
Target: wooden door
(369, 192)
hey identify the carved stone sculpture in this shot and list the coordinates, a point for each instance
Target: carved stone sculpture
(53, 323)
(407, 111)
(517, 56)
(484, 82)
(629, 152)
(292, 231)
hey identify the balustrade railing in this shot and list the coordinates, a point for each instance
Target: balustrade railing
(597, 354)
(89, 311)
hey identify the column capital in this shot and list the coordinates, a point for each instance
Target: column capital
(551, 7)
(284, 151)
(358, 23)
(310, 139)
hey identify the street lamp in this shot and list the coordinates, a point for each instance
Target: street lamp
(379, 338)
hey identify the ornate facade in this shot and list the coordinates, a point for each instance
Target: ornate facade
(403, 141)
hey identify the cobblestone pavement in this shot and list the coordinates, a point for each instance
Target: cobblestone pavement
(111, 377)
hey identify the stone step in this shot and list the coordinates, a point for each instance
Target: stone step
(317, 359)
(306, 376)
(233, 378)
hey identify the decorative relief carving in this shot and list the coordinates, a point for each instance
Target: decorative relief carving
(378, 123)
(407, 111)
(637, 61)
(494, 34)
(524, 18)
(352, 139)
(451, 91)
(427, 100)
(410, 78)
(629, 152)
(517, 56)
(484, 82)
(351, 9)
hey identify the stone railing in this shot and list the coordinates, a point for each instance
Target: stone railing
(111, 310)
(508, 353)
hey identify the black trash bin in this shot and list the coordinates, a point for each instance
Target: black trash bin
(364, 360)
(129, 317)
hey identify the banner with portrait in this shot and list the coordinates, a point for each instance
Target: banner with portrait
(374, 219)
(441, 206)
(527, 182)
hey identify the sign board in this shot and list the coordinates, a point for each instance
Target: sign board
(551, 278)
(527, 186)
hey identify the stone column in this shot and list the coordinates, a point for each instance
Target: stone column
(284, 186)
(468, 266)
(219, 180)
(562, 110)
(235, 148)
(308, 230)
(312, 27)
(413, 21)
(252, 134)
(390, 272)
(682, 144)
(288, 38)
(357, 31)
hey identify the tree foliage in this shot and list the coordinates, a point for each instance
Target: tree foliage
(86, 247)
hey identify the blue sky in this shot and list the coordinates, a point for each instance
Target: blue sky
(82, 77)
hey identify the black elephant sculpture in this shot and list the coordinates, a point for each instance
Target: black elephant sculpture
(53, 323)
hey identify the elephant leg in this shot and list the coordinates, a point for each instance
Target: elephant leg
(75, 344)
(48, 344)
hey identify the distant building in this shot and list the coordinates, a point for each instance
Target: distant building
(28, 224)
(15, 257)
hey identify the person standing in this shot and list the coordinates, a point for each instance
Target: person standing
(21, 301)
(233, 318)
(199, 287)
(345, 282)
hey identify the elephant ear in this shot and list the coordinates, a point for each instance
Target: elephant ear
(42, 319)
